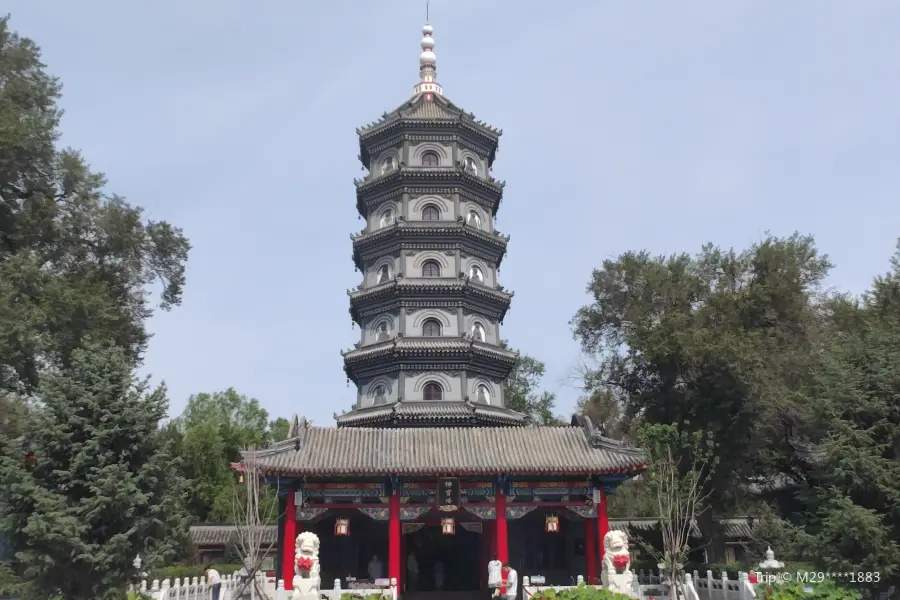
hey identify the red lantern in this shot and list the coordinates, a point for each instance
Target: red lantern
(448, 526)
(342, 527)
(552, 524)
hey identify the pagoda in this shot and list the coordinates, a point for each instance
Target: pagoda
(430, 466)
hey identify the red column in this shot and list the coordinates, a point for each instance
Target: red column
(602, 523)
(500, 524)
(484, 555)
(502, 541)
(394, 535)
(590, 550)
(290, 540)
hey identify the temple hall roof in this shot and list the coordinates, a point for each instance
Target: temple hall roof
(347, 451)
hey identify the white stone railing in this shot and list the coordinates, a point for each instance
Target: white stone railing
(188, 588)
(650, 585)
(533, 590)
(198, 589)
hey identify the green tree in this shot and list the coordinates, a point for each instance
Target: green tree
(605, 412)
(724, 341)
(93, 486)
(12, 413)
(853, 521)
(523, 395)
(681, 465)
(279, 429)
(74, 260)
(210, 433)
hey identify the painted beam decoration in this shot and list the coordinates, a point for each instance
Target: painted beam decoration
(485, 513)
(587, 512)
(517, 512)
(481, 490)
(343, 490)
(411, 513)
(310, 514)
(536, 489)
(489, 513)
(376, 513)
(448, 494)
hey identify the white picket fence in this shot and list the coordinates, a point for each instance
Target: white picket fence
(198, 589)
(650, 586)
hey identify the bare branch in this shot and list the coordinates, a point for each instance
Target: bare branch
(255, 509)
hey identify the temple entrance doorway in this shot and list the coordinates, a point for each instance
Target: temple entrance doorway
(446, 563)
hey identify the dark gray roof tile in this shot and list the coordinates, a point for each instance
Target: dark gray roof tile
(205, 536)
(439, 450)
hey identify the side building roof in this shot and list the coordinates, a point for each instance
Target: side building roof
(530, 449)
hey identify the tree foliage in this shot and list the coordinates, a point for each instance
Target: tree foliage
(799, 389)
(74, 260)
(91, 484)
(852, 517)
(681, 465)
(522, 391)
(209, 435)
(721, 340)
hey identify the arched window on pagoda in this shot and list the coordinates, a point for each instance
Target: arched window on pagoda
(475, 274)
(384, 274)
(431, 213)
(478, 332)
(388, 164)
(380, 395)
(384, 333)
(470, 166)
(431, 269)
(431, 328)
(473, 219)
(430, 159)
(387, 218)
(482, 394)
(433, 391)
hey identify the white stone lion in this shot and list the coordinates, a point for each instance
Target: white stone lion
(615, 544)
(307, 580)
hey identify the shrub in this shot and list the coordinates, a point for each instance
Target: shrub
(352, 596)
(582, 592)
(826, 590)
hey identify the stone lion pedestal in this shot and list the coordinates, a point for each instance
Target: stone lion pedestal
(615, 574)
(306, 567)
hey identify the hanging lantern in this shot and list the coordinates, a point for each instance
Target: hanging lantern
(448, 526)
(241, 478)
(342, 527)
(552, 524)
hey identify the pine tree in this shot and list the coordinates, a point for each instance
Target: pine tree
(90, 484)
(855, 521)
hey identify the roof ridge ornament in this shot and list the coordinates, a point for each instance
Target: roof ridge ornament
(428, 86)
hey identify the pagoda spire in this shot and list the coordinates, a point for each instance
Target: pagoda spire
(428, 84)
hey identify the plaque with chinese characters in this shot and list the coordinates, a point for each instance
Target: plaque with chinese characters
(448, 494)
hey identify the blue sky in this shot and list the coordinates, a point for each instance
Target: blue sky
(627, 125)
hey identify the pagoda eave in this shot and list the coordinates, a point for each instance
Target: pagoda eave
(431, 414)
(394, 297)
(487, 247)
(490, 202)
(417, 135)
(437, 176)
(378, 363)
